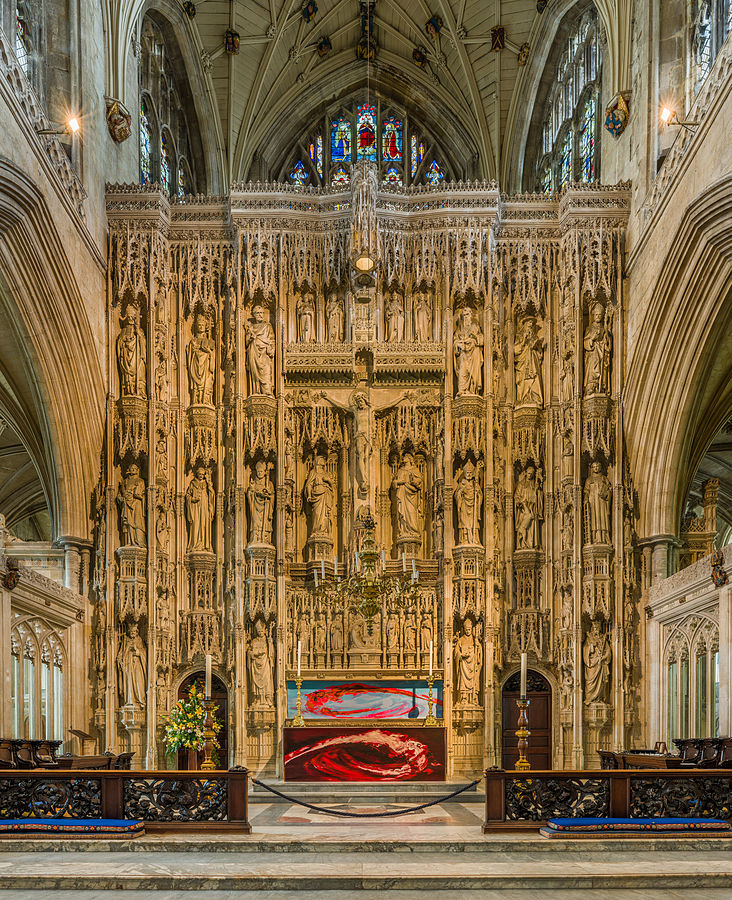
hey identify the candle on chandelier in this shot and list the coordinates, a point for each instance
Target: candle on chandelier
(335, 565)
(322, 568)
(523, 676)
(383, 560)
(315, 576)
(208, 676)
(404, 562)
(430, 659)
(299, 651)
(414, 569)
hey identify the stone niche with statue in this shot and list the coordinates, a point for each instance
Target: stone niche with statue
(440, 360)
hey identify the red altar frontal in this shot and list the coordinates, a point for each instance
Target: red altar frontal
(364, 753)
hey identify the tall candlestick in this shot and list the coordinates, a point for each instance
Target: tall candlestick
(208, 676)
(299, 651)
(523, 676)
(404, 562)
(430, 659)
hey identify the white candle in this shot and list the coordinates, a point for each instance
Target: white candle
(358, 563)
(523, 676)
(414, 569)
(383, 560)
(430, 659)
(208, 676)
(322, 568)
(335, 565)
(315, 576)
(404, 562)
(299, 651)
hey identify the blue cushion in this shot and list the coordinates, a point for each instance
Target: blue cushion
(655, 824)
(72, 826)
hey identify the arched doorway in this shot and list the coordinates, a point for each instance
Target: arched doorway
(189, 759)
(539, 693)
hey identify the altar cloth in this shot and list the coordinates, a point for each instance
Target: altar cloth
(61, 827)
(660, 825)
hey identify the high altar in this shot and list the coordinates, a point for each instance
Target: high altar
(267, 393)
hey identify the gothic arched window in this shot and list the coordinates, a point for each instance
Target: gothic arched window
(22, 39)
(569, 146)
(165, 145)
(711, 22)
(37, 681)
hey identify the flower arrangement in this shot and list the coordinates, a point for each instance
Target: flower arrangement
(184, 727)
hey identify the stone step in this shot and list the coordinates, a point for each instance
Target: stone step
(577, 870)
(406, 793)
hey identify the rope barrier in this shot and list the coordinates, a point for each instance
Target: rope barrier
(355, 815)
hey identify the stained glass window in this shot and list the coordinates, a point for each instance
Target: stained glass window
(340, 176)
(711, 23)
(417, 153)
(182, 181)
(392, 141)
(587, 140)
(299, 175)
(546, 180)
(340, 141)
(565, 161)
(392, 176)
(366, 132)
(315, 152)
(21, 36)
(164, 164)
(145, 146)
(434, 174)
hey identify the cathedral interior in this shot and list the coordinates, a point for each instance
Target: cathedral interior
(366, 342)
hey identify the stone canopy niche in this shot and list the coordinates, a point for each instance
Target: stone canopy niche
(270, 394)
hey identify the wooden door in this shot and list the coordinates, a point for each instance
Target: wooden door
(539, 694)
(220, 696)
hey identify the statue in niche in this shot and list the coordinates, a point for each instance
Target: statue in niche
(319, 634)
(260, 342)
(132, 668)
(528, 501)
(357, 635)
(303, 635)
(598, 347)
(335, 318)
(289, 528)
(336, 635)
(529, 355)
(320, 496)
(422, 317)
(425, 632)
(566, 376)
(407, 486)
(468, 662)
(260, 497)
(200, 511)
(469, 503)
(392, 632)
(410, 631)
(597, 657)
(361, 439)
(468, 353)
(598, 494)
(395, 318)
(200, 361)
(260, 668)
(131, 503)
(567, 529)
(162, 526)
(162, 612)
(131, 357)
(306, 324)
(161, 456)
(289, 457)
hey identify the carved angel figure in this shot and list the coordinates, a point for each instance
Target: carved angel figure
(260, 341)
(200, 510)
(529, 509)
(529, 355)
(598, 346)
(260, 498)
(407, 486)
(200, 362)
(468, 353)
(469, 503)
(131, 503)
(131, 357)
(306, 326)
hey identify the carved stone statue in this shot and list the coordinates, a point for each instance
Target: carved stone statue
(260, 498)
(357, 637)
(200, 510)
(319, 634)
(306, 325)
(598, 347)
(132, 668)
(407, 486)
(528, 501)
(529, 355)
(361, 440)
(320, 496)
(598, 494)
(260, 341)
(335, 318)
(261, 668)
(468, 353)
(468, 662)
(422, 317)
(469, 503)
(597, 657)
(131, 357)
(131, 503)
(425, 632)
(395, 318)
(336, 635)
(410, 632)
(201, 361)
(392, 633)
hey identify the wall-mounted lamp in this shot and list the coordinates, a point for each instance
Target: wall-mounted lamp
(669, 117)
(71, 127)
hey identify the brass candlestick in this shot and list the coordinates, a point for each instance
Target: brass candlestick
(522, 734)
(298, 720)
(209, 735)
(430, 720)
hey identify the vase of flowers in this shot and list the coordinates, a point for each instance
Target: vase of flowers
(186, 726)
